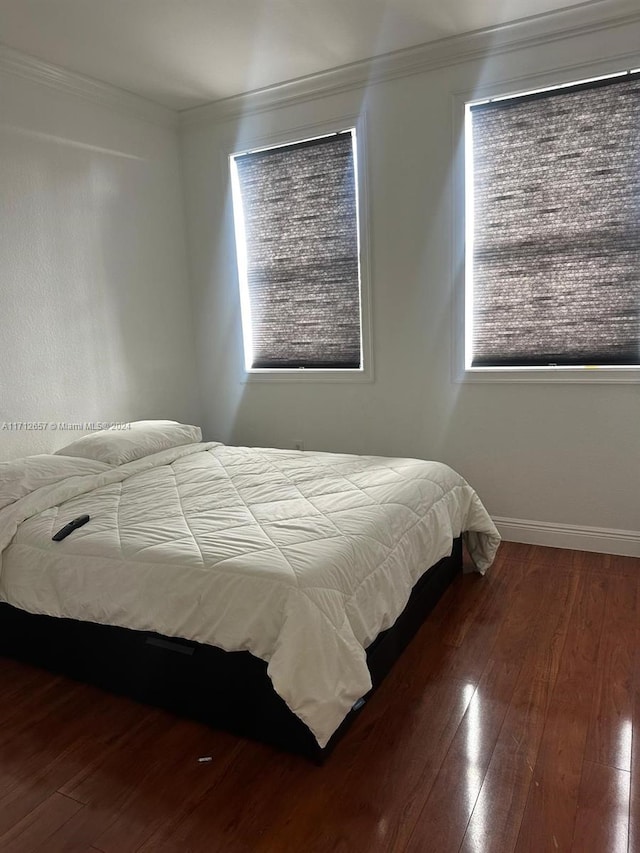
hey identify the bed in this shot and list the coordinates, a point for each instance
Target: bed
(263, 590)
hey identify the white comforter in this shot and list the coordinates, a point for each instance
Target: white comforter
(300, 558)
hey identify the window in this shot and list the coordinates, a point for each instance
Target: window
(298, 252)
(553, 228)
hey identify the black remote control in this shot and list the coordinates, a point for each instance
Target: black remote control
(69, 528)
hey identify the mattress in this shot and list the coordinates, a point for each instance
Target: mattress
(301, 559)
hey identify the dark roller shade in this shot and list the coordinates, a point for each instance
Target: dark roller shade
(300, 220)
(556, 234)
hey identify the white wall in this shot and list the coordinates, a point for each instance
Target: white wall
(95, 312)
(563, 454)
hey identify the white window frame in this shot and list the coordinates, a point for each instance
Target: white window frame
(463, 247)
(248, 143)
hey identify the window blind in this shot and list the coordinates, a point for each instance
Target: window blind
(301, 233)
(556, 227)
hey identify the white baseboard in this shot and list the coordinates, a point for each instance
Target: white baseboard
(599, 539)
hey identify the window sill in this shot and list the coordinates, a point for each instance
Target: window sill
(575, 375)
(305, 374)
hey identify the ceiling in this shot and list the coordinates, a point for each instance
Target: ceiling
(183, 53)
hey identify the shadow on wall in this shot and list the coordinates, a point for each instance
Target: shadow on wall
(92, 328)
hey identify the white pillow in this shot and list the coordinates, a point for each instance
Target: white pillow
(21, 476)
(138, 439)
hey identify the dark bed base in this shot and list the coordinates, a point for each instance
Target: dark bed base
(228, 690)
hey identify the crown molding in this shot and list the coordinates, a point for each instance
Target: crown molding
(586, 18)
(22, 65)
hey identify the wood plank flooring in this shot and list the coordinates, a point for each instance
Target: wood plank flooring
(511, 723)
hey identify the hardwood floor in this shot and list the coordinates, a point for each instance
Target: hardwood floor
(507, 725)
